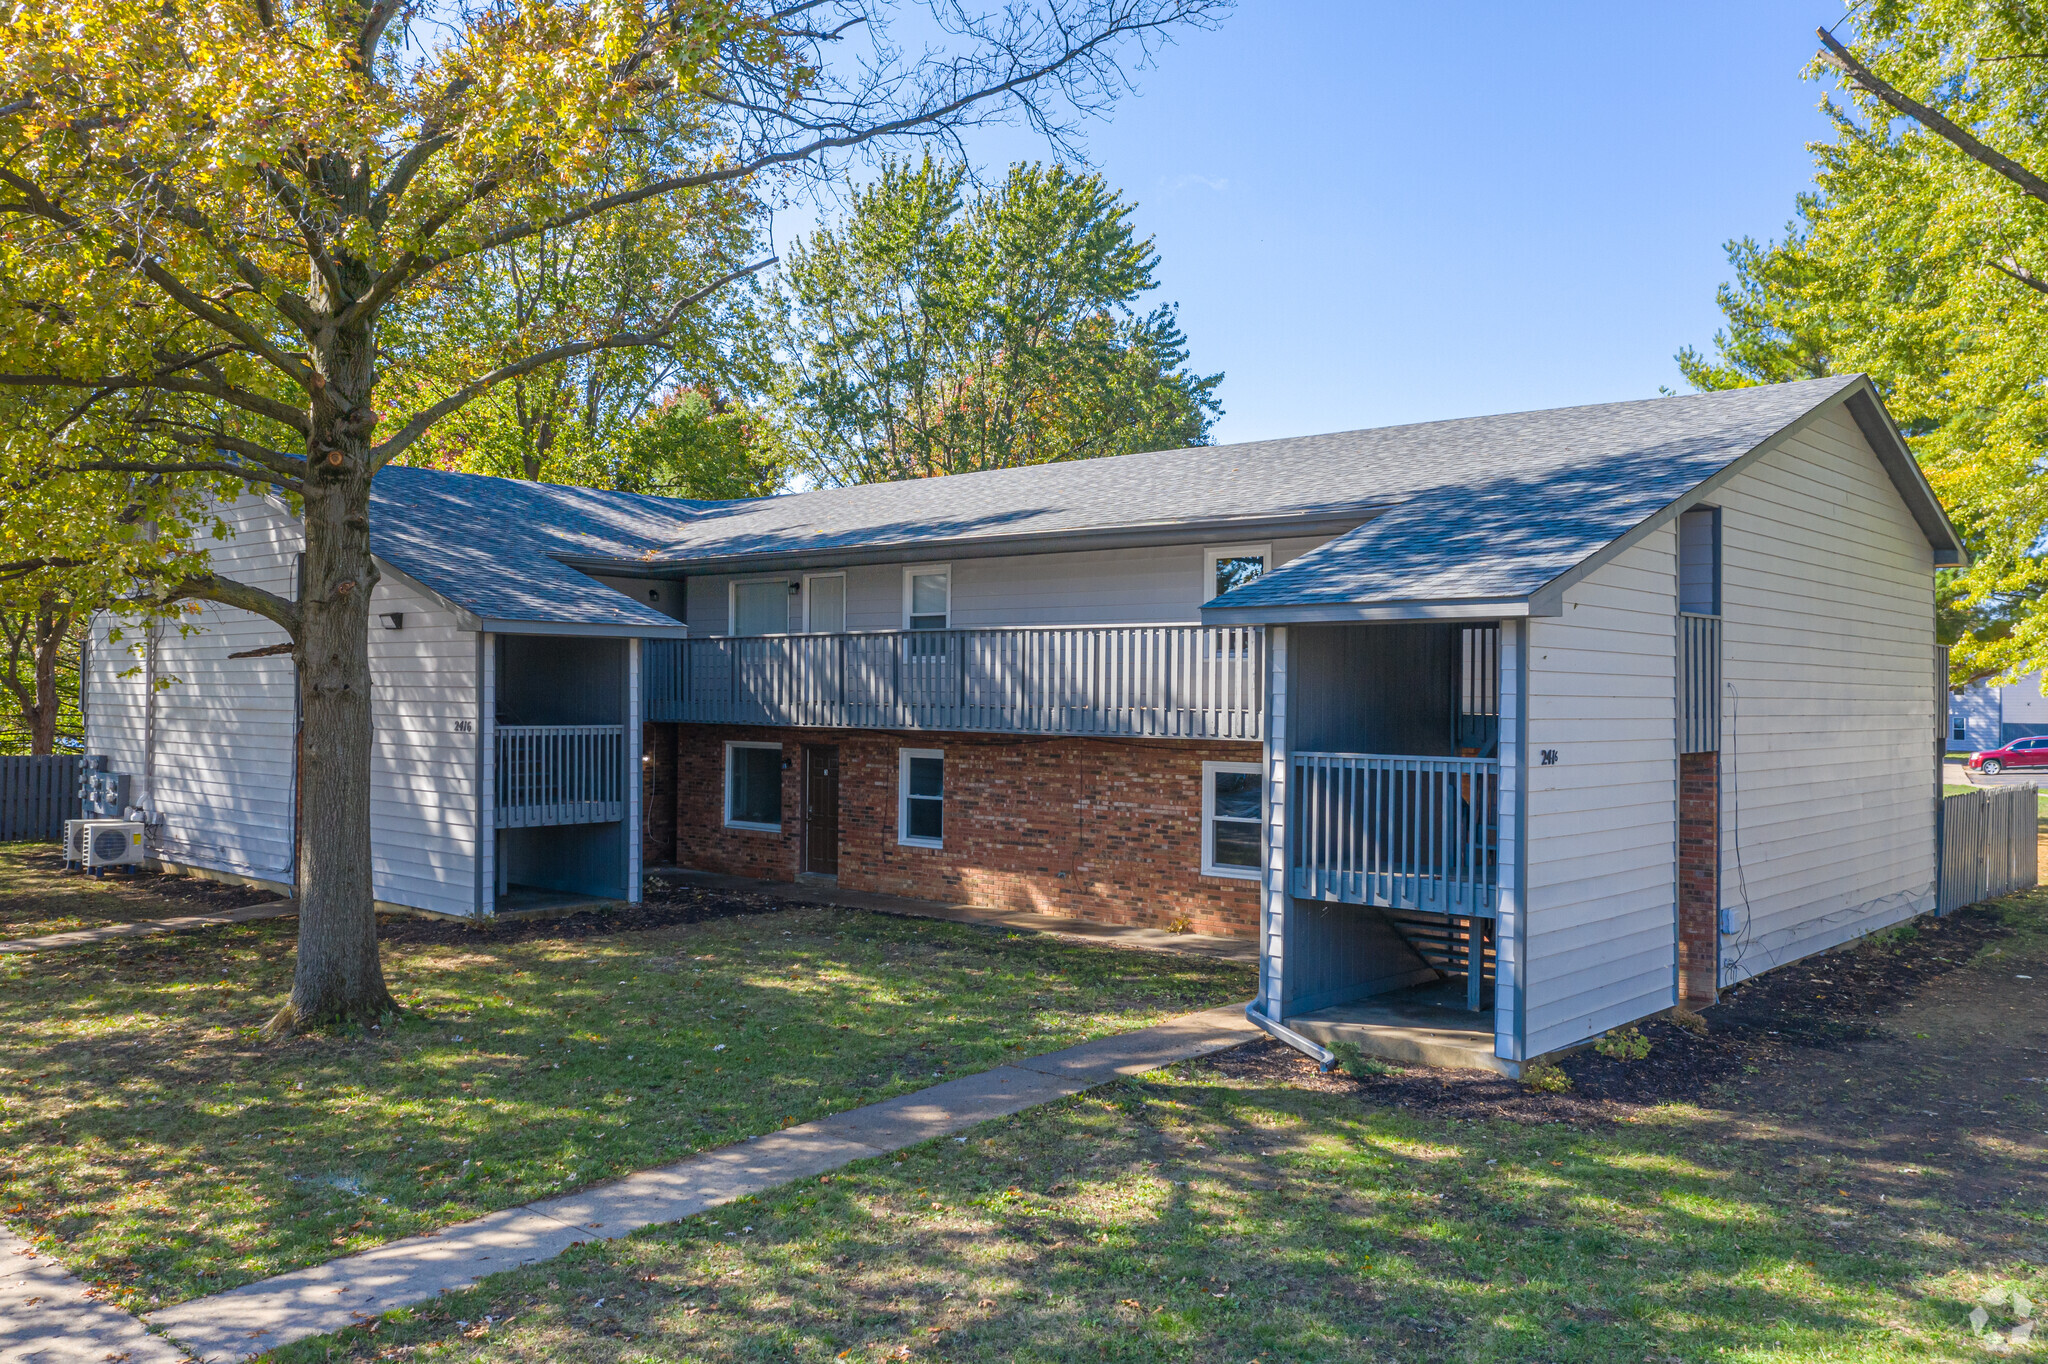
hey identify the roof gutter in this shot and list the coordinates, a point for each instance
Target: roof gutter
(1305, 613)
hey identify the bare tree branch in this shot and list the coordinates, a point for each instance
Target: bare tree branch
(254, 403)
(227, 592)
(1866, 80)
(2014, 270)
(178, 466)
(22, 568)
(388, 450)
(267, 651)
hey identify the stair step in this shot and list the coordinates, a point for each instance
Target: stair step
(1441, 941)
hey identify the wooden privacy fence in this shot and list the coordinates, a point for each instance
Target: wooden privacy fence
(36, 796)
(1182, 682)
(1989, 845)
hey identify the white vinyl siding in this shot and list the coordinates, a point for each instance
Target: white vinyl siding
(225, 729)
(1163, 586)
(1599, 928)
(1827, 720)
(425, 705)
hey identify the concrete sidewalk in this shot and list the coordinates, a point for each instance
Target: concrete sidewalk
(1119, 935)
(141, 928)
(46, 1318)
(246, 1321)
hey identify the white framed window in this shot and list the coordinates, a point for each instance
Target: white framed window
(753, 786)
(921, 797)
(1227, 566)
(824, 603)
(927, 596)
(1233, 820)
(760, 607)
(1959, 731)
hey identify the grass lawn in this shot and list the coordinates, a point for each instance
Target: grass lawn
(150, 1141)
(35, 899)
(1837, 1194)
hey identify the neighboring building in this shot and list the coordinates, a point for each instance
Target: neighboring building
(1587, 710)
(1986, 715)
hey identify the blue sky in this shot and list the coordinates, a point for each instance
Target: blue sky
(1375, 213)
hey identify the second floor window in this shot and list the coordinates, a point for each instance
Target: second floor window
(927, 598)
(1235, 565)
(760, 608)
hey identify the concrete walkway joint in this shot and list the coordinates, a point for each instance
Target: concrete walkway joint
(140, 928)
(246, 1321)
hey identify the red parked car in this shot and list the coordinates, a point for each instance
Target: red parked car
(2019, 753)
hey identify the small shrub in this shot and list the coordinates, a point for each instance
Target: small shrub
(1623, 1044)
(1546, 1078)
(1180, 925)
(1687, 1019)
(1356, 1063)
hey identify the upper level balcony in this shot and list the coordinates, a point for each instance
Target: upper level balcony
(1138, 681)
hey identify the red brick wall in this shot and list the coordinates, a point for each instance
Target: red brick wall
(1699, 899)
(1085, 828)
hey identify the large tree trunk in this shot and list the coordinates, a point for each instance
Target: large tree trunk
(339, 978)
(52, 627)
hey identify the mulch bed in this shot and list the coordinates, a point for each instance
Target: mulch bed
(1826, 1001)
(202, 897)
(666, 905)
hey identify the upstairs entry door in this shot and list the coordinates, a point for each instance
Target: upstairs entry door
(821, 809)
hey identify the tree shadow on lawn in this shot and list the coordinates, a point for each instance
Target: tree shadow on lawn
(1816, 1177)
(1197, 1215)
(152, 1142)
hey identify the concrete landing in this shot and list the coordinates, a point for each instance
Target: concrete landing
(1429, 1026)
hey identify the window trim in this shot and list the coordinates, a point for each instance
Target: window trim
(912, 570)
(732, 603)
(1209, 771)
(840, 574)
(903, 835)
(1212, 554)
(730, 822)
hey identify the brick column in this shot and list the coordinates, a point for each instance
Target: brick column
(1699, 889)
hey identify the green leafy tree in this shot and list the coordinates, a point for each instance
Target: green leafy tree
(223, 222)
(569, 422)
(1921, 258)
(696, 444)
(930, 334)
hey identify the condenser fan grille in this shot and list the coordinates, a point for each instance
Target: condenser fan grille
(108, 844)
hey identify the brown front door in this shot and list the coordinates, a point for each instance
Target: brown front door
(821, 809)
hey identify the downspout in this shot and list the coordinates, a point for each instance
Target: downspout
(1325, 1059)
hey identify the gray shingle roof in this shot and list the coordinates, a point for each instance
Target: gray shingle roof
(1496, 507)
(492, 545)
(1474, 509)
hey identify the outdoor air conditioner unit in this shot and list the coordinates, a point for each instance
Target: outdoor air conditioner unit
(74, 844)
(111, 843)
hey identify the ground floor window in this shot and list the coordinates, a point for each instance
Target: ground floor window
(1959, 732)
(921, 797)
(753, 785)
(1233, 818)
